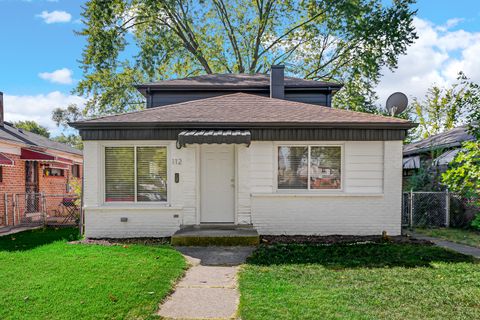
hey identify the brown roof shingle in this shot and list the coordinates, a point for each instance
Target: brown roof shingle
(235, 80)
(248, 110)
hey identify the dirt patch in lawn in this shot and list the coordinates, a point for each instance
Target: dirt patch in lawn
(120, 242)
(338, 239)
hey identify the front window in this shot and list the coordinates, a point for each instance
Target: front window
(309, 167)
(135, 174)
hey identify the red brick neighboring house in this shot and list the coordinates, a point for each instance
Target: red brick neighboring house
(33, 164)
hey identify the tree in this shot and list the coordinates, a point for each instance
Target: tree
(135, 41)
(33, 127)
(63, 116)
(72, 140)
(446, 108)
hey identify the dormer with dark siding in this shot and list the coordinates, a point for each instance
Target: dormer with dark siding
(168, 92)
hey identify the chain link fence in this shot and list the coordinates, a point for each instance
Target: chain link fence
(436, 209)
(37, 209)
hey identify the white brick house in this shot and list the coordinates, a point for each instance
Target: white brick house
(242, 158)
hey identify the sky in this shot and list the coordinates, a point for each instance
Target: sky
(39, 53)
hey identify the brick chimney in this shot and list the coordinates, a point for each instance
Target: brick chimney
(1, 109)
(277, 84)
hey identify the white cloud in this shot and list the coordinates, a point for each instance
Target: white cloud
(436, 57)
(39, 108)
(55, 16)
(62, 76)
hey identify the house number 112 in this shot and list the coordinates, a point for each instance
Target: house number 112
(177, 161)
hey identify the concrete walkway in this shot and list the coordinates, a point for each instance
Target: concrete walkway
(461, 248)
(209, 289)
(13, 230)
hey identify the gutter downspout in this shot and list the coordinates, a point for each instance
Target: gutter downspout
(82, 215)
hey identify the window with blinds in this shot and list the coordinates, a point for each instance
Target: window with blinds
(135, 174)
(151, 174)
(309, 167)
(119, 174)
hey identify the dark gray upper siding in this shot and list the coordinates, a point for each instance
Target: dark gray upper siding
(168, 92)
(167, 97)
(257, 134)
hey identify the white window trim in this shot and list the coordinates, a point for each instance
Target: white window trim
(308, 190)
(135, 203)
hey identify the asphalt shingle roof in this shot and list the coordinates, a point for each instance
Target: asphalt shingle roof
(447, 139)
(10, 133)
(235, 80)
(243, 108)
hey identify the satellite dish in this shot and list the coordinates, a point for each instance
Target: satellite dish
(397, 103)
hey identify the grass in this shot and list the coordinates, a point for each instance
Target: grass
(44, 277)
(468, 237)
(364, 281)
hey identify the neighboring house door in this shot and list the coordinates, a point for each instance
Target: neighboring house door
(217, 183)
(31, 186)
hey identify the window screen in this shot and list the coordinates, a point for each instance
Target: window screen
(151, 174)
(309, 167)
(292, 167)
(76, 170)
(325, 167)
(119, 174)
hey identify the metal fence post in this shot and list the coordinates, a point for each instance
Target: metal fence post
(447, 208)
(15, 203)
(6, 209)
(411, 208)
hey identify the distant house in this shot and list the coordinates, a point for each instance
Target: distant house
(30, 165)
(264, 152)
(436, 151)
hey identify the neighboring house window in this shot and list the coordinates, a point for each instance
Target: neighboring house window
(76, 170)
(309, 167)
(1, 174)
(135, 174)
(53, 172)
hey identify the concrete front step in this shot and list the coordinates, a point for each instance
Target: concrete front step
(216, 237)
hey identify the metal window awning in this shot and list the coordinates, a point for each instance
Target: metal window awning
(213, 137)
(5, 161)
(35, 155)
(57, 165)
(411, 162)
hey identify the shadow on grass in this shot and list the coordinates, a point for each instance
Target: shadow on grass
(356, 255)
(31, 239)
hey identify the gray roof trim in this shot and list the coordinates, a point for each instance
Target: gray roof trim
(242, 125)
(213, 137)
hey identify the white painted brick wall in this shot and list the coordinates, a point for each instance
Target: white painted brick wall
(105, 223)
(144, 220)
(369, 203)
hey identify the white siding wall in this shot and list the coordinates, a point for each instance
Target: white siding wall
(368, 203)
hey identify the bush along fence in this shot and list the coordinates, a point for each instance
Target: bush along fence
(37, 209)
(436, 209)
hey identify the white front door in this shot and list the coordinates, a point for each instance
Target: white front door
(217, 183)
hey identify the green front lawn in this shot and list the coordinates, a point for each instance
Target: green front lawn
(364, 281)
(44, 277)
(468, 237)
